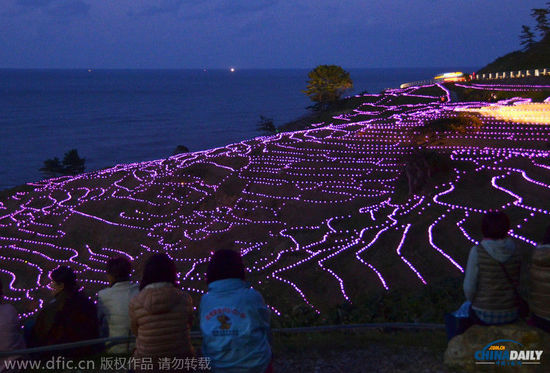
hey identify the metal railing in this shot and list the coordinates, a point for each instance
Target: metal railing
(417, 83)
(513, 74)
(545, 71)
(111, 341)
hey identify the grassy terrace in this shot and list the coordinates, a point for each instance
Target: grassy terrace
(324, 217)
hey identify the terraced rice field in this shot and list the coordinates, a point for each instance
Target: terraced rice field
(320, 216)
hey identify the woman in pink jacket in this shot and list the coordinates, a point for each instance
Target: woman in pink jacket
(10, 332)
(160, 318)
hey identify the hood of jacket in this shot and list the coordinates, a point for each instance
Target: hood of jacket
(500, 250)
(159, 297)
(227, 285)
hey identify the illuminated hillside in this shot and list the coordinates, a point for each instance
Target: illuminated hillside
(320, 215)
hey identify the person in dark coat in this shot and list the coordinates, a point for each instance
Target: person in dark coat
(69, 317)
(11, 338)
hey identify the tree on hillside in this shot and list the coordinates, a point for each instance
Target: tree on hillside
(541, 16)
(52, 167)
(527, 37)
(267, 126)
(327, 83)
(535, 52)
(180, 149)
(71, 164)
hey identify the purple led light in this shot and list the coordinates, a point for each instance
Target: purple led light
(304, 200)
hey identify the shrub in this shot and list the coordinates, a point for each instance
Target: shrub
(71, 164)
(435, 130)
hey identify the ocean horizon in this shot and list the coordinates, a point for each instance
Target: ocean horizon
(115, 116)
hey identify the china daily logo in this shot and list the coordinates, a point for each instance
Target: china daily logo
(497, 353)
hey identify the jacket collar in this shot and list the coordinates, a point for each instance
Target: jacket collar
(121, 284)
(62, 296)
(227, 284)
(156, 285)
(500, 250)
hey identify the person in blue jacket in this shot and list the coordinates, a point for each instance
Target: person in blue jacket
(234, 320)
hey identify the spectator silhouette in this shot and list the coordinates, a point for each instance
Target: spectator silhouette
(540, 284)
(113, 302)
(161, 314)
(69, 317)
(493, 272)
(11, 337)
(234, 319)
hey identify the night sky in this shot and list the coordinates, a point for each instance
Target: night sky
(258, 33)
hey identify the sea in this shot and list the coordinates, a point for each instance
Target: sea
(126, 116)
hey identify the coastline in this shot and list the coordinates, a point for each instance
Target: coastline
(346, 106)
(120, 117)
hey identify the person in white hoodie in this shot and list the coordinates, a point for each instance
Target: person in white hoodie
(492, 274)
(11, 337)
(539, 289)
(112, 303)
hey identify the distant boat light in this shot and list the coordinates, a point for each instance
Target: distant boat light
(232, 69)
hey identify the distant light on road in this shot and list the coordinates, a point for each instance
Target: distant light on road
(537, 113)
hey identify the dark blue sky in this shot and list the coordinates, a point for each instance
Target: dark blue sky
(258, 33)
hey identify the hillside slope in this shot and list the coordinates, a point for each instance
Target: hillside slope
(538, 56)
(321, 216)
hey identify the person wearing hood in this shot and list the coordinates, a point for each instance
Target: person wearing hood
(540, 284)
(493, 272)
(161, 315)
(112, 303)
(234, 320)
